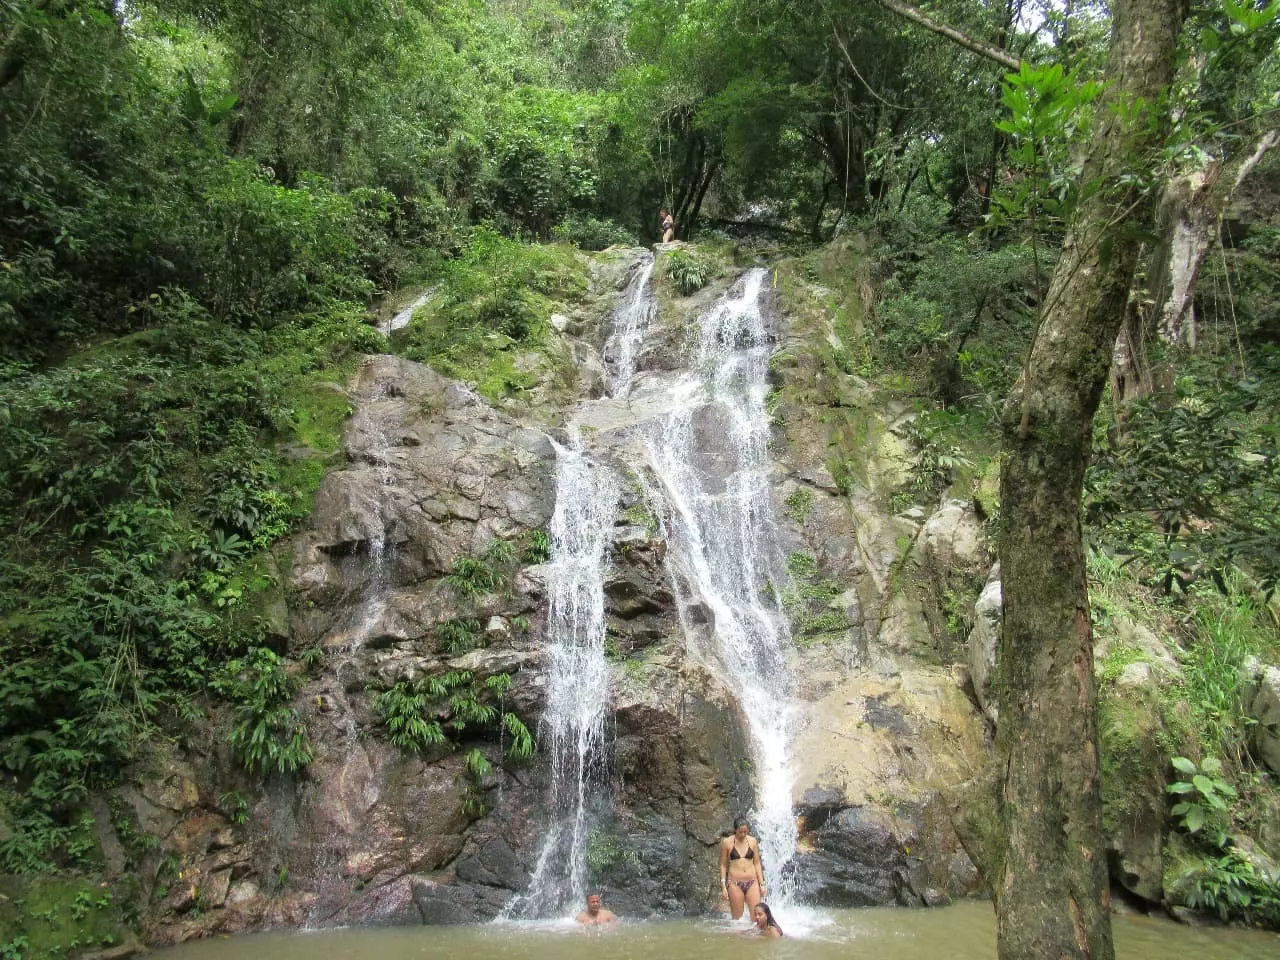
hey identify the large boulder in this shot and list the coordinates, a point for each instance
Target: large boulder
(984, 643)
(953, 537)
(1265, 709)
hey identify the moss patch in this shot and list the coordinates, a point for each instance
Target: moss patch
(488, 324)
(812, 604)
(53, 917)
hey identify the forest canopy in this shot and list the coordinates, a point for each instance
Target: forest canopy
(203, 201)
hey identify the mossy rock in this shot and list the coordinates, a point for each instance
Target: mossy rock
(1134, 774)
(986, 496)
(56, 917)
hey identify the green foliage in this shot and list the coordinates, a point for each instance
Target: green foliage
(1232, 887)
(473, 577)
(938, 458)
(403, 709)
(522, 746)
(1192, 486)
(687, 271)
(1206, 798)
(1228, 632)
(58, 917)
(605, 850)
(1048, 115)
(434, 712)
(500, 553)
(590, 233)
(234, 805)
(268, 737)
(799, 503)
(811, 602)
(639, 515)
(493, 303)
(459, 635)
(538, 547)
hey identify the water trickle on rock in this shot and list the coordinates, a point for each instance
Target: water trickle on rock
(632, 319)
(571, 732)
(332, 888)
(711, 458)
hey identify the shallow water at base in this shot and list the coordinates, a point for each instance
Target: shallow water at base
(965, 931)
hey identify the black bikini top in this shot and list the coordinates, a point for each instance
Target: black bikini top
(735, 855)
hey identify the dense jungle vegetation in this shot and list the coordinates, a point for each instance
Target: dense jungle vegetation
(202, 200)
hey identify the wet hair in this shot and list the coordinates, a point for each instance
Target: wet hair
(740, 822)
(768, 915)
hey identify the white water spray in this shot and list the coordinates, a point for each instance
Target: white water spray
(573, 724)
(631, 321)
(711, 457)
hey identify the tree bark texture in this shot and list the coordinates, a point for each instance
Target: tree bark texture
(990, 51)
(1052, 894)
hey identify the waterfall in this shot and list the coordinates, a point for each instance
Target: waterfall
(631, 320)
(401, 319)
(711, 458)
(332, 888)
(573, 723)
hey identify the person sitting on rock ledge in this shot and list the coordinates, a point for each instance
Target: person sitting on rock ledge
(595, 915)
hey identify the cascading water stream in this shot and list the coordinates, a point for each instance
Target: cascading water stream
(711, 458)
(631, 321)
(331, 887)
(573, 724)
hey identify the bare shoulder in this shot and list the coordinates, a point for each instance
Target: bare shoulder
(607, 916)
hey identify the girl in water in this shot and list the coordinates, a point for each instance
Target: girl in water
(766, 926)
(741, 872)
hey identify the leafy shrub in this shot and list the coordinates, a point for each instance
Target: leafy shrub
(1230, 886)
(268, 737)
(459, 635)
(538, 547)
(473, 577)
(1191, 486)
(687, 271)
(1206, 798)
(436, 711)
(592, 234)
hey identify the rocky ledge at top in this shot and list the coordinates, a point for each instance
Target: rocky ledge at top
(371, 833)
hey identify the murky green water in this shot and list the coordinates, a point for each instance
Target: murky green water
(962, 932)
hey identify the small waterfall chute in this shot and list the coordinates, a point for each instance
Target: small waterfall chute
(572, 728)
(716, 483)
(632, 319)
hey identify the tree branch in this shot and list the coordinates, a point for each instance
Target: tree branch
(1002, 57)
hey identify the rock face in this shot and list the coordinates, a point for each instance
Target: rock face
(984, 642)
(436, 482)
(1266, 710)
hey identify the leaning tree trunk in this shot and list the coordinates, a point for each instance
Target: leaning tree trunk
(1052, 891)
(1188, 225)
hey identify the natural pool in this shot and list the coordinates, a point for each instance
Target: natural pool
(964, 931)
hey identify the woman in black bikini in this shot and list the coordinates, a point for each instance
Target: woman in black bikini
(741, 873)
(667, 225)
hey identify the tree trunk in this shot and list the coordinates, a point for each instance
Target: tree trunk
(1188, 223)
(1195, 223)
(1052, 893)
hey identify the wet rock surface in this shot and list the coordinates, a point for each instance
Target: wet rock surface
(374, 833)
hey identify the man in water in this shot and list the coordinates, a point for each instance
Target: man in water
(595, 915)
